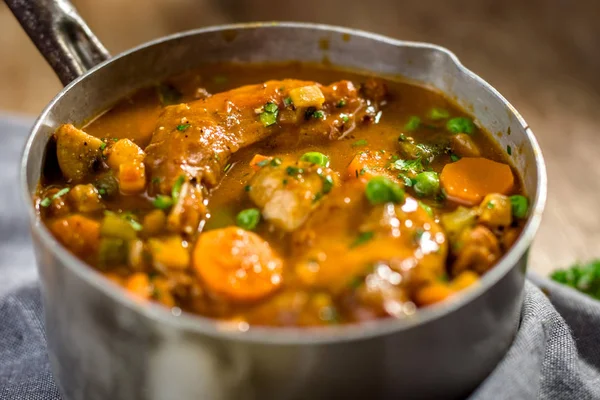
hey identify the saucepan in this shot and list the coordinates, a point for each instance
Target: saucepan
(104, 345)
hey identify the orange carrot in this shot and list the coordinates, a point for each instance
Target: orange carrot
(469, 179)
(254, 163)
(359, 167)
(139, 285)
(237, 264)
(433, 293)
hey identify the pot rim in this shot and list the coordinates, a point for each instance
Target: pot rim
(278, 335)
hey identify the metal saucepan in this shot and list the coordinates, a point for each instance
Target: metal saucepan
(103, 345)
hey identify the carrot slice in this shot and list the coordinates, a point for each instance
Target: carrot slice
(256, 161)
(433, 293)
(469, 179)
(360, 166)
(237, 264)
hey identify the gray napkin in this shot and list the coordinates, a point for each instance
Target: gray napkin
(555, 355)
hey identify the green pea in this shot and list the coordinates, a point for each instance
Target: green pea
(314, 157)
(519, 205)
(413, 123)
(427, 184)
(248, 219)
(438, 113)
(381, 190)
(460, 125)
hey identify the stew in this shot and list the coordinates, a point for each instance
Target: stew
(283, 194)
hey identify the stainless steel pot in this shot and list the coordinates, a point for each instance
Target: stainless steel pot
(103, 345)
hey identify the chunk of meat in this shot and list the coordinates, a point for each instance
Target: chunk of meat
(196, 139)
(77, 152)
(77, 233)
(287, 193)
(346, 236)
(463, 145)
(477, 250)
(495, 211)
(85, 198)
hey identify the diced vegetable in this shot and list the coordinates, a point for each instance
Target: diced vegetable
(77, 152)
(113, 252)
(412, 124)
(85, 198)
(132, 177)
(460, 125)
(495, 211)
(458, 220)
(122, 152)
(381, 190)
(161, 292)
(115, 226)
(464, 280)
(438, 113)
(427, 184)
(469, 179)
(259, 161)
(433, 293)
(154, 222)
(307, 96)
(237, 264)
(77, 233)
(139, 285)
(314, 157)
(169, 253)
(248, 219)
(519, 205)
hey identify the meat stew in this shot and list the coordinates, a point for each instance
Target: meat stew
(284, 195)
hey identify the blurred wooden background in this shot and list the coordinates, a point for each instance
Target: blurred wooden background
(541, 54)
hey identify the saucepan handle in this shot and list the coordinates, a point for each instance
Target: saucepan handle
(61, 35)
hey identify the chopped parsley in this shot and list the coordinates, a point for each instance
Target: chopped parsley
(413, 123)
(269, 116)
(227, 167)
(454, 157)
(102, 146)
(176, 190)
(362, 238)
(438, 113)
(294, 171)
(411, 166)
(48, 200)
(489, 205)
(402, 138)
(263, 163)
(509, 150)
(327, 183)
(345, 118)
(582, 277)
(288, 101)
(318, 114)
(183, 127)
(247, 188)
(341, 103)
(275, 162)
(162, 202)
(361, 142)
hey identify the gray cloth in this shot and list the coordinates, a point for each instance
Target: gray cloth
(555, 355)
